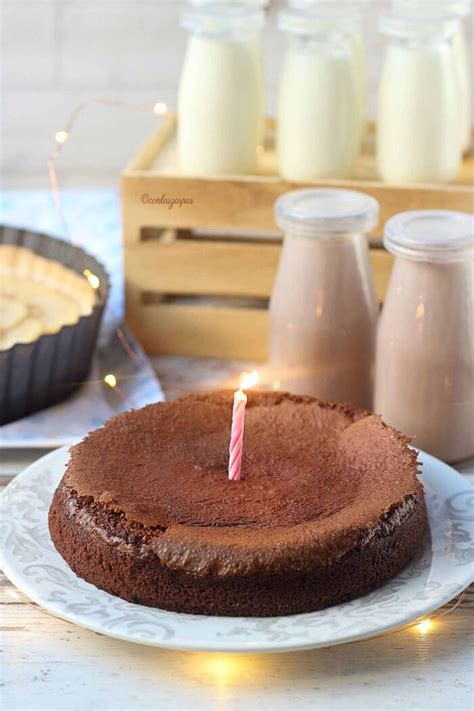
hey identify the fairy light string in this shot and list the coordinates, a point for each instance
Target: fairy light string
(110, 380)
(61, 136)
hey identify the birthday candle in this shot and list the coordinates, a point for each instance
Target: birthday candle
(238, 424)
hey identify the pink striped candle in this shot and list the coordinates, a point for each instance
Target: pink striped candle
(238, 424)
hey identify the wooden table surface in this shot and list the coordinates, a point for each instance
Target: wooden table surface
(50, 664)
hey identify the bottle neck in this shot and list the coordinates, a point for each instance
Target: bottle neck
(228, 35)
(421, 43)
(231, 23)
(418, 27)
(337, 43)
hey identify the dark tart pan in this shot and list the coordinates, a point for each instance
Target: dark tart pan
(42, 373)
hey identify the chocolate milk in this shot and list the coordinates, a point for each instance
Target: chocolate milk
(425, 358)
(323, 307)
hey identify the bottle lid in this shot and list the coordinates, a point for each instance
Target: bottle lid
(415, 22)
(431, 235)
(217, 19)
(245, 3)
(324, 211)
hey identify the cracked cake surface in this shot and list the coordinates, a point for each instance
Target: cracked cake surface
(322, 486)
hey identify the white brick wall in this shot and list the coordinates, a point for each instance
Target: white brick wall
(57, 53)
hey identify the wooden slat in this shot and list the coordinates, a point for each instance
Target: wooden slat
(204, 267)
(216, 332)
(247, 203)
(218, 268)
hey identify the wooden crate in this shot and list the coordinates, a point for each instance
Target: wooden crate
(207, 295)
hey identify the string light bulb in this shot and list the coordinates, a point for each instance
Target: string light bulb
(425, 625)
(276, 385)
(160, 108)
(61, 137)
(93, 279)
(110, 380)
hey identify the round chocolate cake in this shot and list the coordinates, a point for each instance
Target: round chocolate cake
(329, 506)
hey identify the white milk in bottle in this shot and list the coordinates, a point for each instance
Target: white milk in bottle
(323, 309)
(350, 16)
(219, 102)
(418, 117)
(462, 67)
(425, 343)
(461, 63)
(462, 9)
(257, 51)
(318, 116)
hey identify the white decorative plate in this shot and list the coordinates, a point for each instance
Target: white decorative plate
(443, 567)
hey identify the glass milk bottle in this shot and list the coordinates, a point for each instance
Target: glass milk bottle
(319, 111)
(219, 102)
(462, 69)
(418, 118)
(350, 15)
(462, 9)
(323, 307)
(257, 51)
(425, 343)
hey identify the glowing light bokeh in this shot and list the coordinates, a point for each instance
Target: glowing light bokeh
(61, 136)
(110, 380)
(425, 625)
(249, 380)
(93, 279)
(160, 108)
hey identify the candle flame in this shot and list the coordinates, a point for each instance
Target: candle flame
(249, 380)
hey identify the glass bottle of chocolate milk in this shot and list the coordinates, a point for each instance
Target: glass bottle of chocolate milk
(323, 308)
(425, 343)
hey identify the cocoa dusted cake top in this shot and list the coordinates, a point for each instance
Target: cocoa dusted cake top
(316, 477)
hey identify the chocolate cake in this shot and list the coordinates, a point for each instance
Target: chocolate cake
(329, 506)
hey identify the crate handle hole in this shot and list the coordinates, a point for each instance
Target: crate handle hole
(205, 300)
